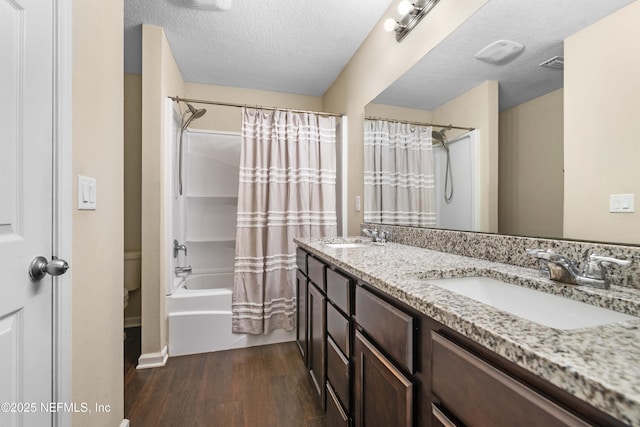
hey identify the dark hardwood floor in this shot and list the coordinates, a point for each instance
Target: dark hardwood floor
(253, 387)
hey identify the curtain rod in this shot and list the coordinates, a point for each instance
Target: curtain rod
(231, 104)
(418, 123)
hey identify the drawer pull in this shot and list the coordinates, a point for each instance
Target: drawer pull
(442, 418)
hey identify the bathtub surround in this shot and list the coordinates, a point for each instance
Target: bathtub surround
(512, 249)
(399, 186)
(287, 188)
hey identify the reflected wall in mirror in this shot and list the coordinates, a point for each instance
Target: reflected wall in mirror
(553, 144)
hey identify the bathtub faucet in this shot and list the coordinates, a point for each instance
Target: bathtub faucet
(183, 271)
(177, 247)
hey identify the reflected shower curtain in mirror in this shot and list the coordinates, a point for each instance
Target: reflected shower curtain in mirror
(287, 189)
(399, 185)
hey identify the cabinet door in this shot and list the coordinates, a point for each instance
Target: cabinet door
(316, 305)
(383, 395)
(301, 314)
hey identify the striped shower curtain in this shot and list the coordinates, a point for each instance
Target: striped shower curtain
(287, 189)
(399, 185)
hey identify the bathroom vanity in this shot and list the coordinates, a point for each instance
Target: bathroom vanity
(385, 347)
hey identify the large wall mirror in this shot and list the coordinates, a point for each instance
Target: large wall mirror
(554, 142)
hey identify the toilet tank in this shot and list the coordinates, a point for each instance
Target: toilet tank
(132, 264)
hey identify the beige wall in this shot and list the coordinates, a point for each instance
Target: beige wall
(97, 120)
(229, 119)
(602, 132)
(531, 181)
(478, 108)
(133, 180)
(160, 78)
(378, 62)
(132, 177)
(132, 160)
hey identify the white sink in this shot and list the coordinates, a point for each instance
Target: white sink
(546, 309)
(346, 245)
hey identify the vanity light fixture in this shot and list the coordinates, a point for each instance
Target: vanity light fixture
(411, 13)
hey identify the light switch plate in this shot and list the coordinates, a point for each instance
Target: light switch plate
(87, 193)
(621, 203)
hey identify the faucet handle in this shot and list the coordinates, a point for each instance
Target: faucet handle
(546, 254)
(609, 260)
(596, 266)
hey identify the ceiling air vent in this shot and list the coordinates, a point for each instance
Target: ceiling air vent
(557, 63)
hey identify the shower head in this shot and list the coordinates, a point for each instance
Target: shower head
(440, 136)
(195, 114)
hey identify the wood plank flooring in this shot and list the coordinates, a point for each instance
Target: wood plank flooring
(253, 387)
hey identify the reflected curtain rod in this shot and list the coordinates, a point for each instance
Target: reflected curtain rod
(231, 104)
(419, 124)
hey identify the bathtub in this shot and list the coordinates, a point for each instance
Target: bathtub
(199, 317)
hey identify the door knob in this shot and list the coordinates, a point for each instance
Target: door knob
(40, 267)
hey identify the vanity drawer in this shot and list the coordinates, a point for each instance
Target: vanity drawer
(335, 414)
(315, 271)
(301, 260)
(338, 287)
(338, 372)
(390, 327)
(338, 328)
(479, 394)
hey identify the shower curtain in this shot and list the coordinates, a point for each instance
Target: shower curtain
(399, 184)
(287, 189)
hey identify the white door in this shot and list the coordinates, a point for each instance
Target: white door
(26, 135)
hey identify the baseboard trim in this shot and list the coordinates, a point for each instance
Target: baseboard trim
(124, 423)
(132, 322)
(153, 360)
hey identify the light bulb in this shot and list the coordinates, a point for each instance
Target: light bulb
(405, 7)
(390, 24)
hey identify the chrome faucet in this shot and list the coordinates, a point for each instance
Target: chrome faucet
(183, 271)
(177, 248)
(376, 236)
(595, 271)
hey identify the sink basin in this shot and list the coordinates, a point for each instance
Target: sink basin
(539, 307)
(346, 245)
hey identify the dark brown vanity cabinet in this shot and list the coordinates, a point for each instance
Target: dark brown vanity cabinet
(375, 361)
(316, 325)
(324, 319)
(301, 303)
(339, 308)
(385, 389)
(383, 394)
(316, 316)
(301, 314)
(489, 396)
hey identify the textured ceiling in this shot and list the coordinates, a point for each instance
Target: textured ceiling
(294, 46)
(450, 69)
(300, 46)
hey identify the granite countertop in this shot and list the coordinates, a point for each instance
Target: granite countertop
(600, 365)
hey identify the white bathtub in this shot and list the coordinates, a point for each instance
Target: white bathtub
(199, 317)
